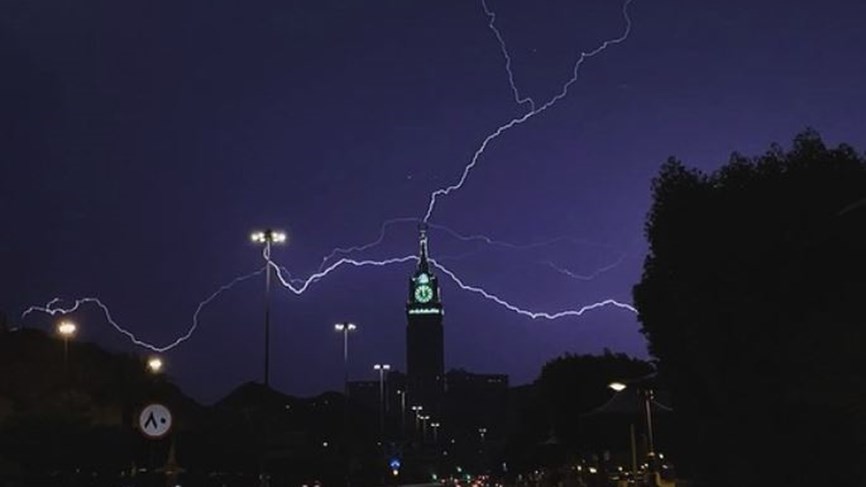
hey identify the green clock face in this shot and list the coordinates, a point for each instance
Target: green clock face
(423, 293)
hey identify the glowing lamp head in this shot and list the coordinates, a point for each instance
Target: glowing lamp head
(345, 327)
(616, 386)
(382, 367)
(66, 329)
(154, 364)
(268, 236)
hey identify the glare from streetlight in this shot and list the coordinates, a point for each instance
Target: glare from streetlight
(345, 326)
(382, 367)
(154, 364)
(66, 329)
(617, 386)
(268, 236)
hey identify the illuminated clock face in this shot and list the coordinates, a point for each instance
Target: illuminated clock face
(423, 293)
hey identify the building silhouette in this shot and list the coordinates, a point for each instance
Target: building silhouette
(430, 411)
(425, 348)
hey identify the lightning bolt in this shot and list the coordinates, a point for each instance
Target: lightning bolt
(360, 248)
(492, 25)
(531, 314)
(508, 245)
(53, 308)
(383, 229)
(306, 283)
(298, 286)
(586, 277)
(529, 115)
(298, 283)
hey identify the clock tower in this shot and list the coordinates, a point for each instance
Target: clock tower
(425, 352)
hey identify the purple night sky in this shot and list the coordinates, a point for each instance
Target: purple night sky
(142, 142)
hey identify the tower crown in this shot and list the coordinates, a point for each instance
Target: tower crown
(423, 287)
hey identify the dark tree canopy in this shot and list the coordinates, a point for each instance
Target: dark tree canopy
(752, 299)
(549, 424)
(572, 385)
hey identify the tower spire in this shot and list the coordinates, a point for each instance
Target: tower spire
(423, 264)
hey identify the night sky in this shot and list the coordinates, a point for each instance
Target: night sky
(142, 142)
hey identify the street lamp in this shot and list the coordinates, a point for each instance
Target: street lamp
(482, 432)
(417, 410)
(345, 328)
(382, 369)
(435, 431)
(66, 329)
(647, 394)
(267, 238)
(154, 365)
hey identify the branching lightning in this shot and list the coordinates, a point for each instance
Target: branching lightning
(531, 314)
(586, 277)
(53, 308)
(360, 248)
(328, 263)
(300, 289)
(492, 25)
(532, 113)
(513, 246)
(300, 283)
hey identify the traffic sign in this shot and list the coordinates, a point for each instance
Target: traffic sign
(154, 421)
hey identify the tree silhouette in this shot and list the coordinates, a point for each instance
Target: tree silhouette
(548, 424)
(752, 301)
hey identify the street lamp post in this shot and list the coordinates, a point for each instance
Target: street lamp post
(345, 328)
(382, 369)
(647, 401)
(417, 410)
(67, 330)
(402, 394)
(647, 394)
(424, 419)
(435, 431)
(268, 237)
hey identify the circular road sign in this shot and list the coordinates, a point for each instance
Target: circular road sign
(154, 421)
